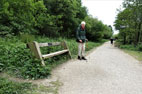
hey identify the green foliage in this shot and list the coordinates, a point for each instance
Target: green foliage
(96, 30)
(115, 36)
(1, 67)
(9, 87)
(26, 16)
(69, 14)
(53, 18)
(108, 32)
(27, 38)
(135, 54)
(5, 30)
(42, 16)
(135, 51)
(129, 22)
(16, 59)
(139, 47)
(128, 46)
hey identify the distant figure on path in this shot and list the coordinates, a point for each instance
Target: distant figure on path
(111, 40)
(81, 39)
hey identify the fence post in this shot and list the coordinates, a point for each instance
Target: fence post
(64, 44)
(36, 51)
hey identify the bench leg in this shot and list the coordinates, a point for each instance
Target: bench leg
(64, 44)
(42, 61)
(70, 54)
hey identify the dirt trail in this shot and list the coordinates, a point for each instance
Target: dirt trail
(107, 71)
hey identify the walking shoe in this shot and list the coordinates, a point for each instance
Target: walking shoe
(79, 57)
(84, 58)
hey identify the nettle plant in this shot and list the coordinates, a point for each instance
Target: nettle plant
(18, 60)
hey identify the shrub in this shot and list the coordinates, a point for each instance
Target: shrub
(5, 31)
(18, 60)
(1, 67)
(128, 47)
(27, 38)
(139, 47)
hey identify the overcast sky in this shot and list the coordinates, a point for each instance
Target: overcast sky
(104, 10)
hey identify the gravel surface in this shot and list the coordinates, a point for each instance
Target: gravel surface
(107, 71)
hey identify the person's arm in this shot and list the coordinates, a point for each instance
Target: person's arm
(77, 34)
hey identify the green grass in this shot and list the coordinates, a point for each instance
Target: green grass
(135, 51)
(51, 89)
(10, 87)
(135, 54)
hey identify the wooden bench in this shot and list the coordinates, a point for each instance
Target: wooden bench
(35, 48)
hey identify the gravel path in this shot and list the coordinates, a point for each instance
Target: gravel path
(107, 71)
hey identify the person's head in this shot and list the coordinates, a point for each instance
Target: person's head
(83, 24)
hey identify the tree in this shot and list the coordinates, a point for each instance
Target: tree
(52, 18)
(69, 14)
(22, 16)
(129, 22)
(96, 30)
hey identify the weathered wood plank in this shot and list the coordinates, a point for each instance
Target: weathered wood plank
(34, 47)
(38, 52)
(64, 44)
(54, 54)
(49, 44)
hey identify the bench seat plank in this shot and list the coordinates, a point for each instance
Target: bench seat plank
(54, 54)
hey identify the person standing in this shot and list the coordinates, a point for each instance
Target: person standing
(81, 39)
(111, 40)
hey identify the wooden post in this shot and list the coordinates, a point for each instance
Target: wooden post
(36, 51)
(64, 44)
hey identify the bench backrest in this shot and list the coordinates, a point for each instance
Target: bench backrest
(35, 48)
(49, 44)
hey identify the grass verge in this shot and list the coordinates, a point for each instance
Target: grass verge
(135, 54)
(10, 87)
(135, 51)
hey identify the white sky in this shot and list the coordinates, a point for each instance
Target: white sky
(104, 10)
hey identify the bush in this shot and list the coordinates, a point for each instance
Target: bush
(139, 47)
(128, 47)
(5, 31)
(18, 60)
(1, 67)
(119, 44)
(27, 38)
